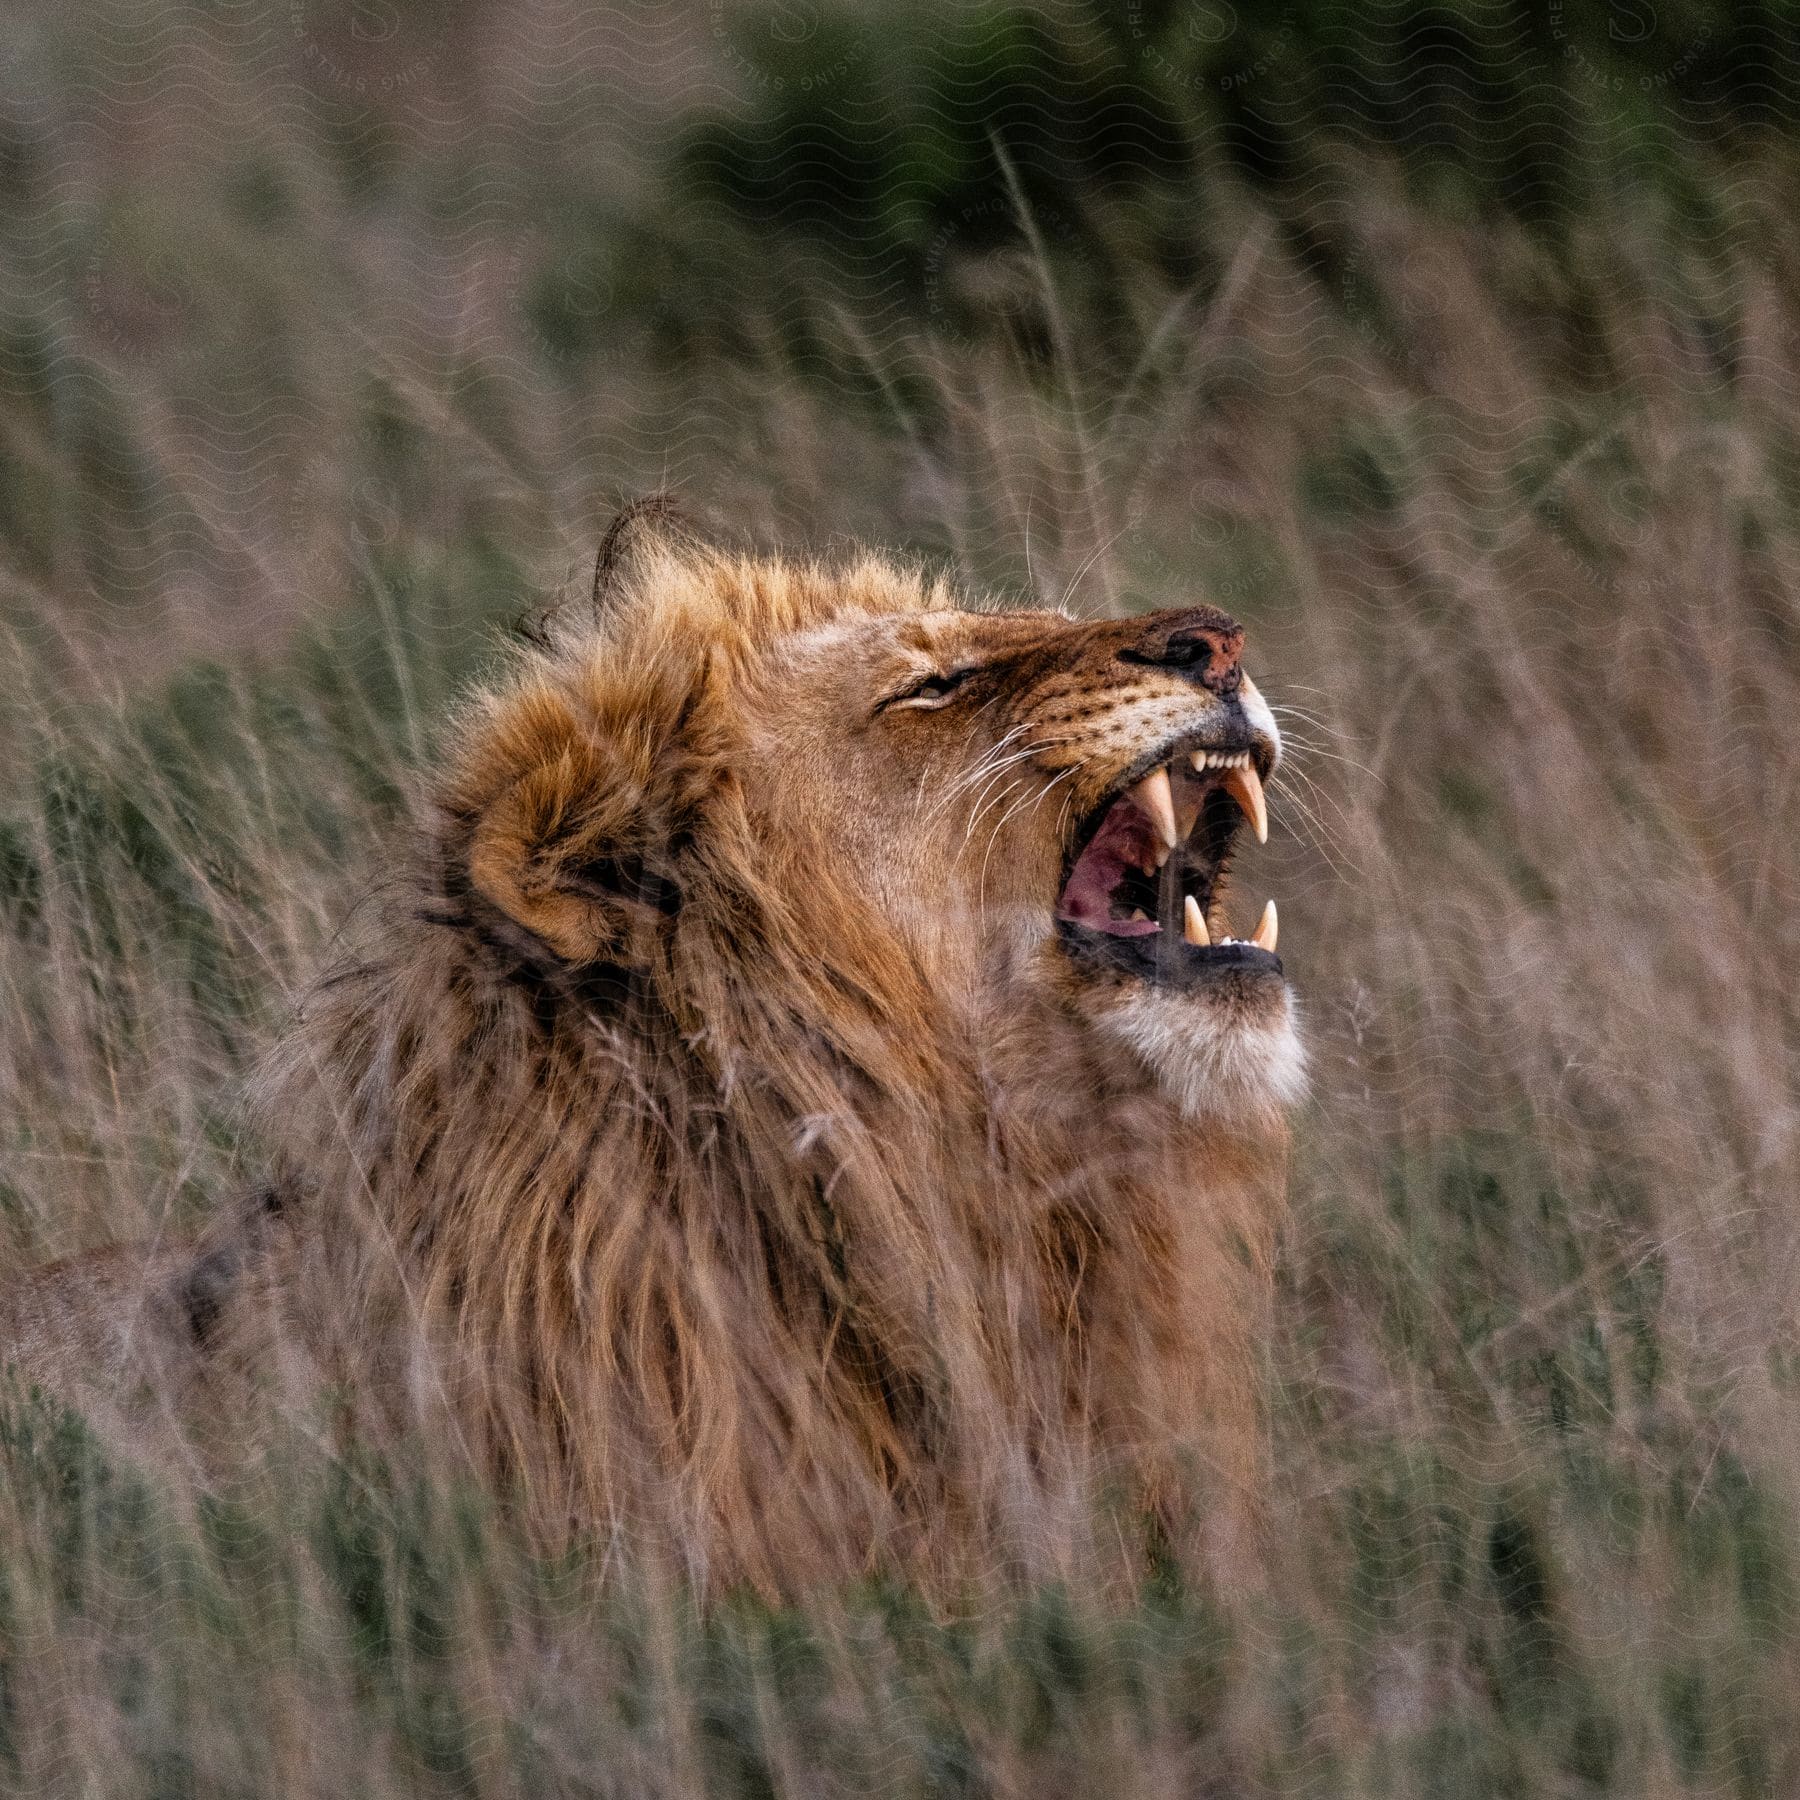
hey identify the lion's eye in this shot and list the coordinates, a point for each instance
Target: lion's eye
(929, 690)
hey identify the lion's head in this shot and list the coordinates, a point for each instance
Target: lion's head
(1018, 809)
(814, 1095)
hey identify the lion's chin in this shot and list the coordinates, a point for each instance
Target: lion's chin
(1225, 1063)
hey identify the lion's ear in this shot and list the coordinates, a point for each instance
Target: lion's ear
(569, 856)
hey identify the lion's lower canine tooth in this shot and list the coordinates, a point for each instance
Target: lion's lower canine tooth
(1268, 928)
(1193, 925)
(1245, 786)
(1153, 794)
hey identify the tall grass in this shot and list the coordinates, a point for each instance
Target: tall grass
(313, 391)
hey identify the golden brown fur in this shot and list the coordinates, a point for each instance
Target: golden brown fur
(711, 1129)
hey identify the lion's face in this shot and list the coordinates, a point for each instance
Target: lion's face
(1048, 808)
(766, 777)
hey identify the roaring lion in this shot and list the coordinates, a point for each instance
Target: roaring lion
(802, 1098)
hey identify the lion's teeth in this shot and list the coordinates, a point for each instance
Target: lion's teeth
(1193, 925)
(1268, 928)
(1156, 798)
(1137, 916)
(1245, 786)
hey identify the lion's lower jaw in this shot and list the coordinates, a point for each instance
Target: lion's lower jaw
(1230, 1070)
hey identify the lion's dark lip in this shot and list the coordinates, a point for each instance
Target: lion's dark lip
(1163, 960)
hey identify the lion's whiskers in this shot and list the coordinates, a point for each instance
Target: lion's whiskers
(1033, 802)
(996, 758)
(1000, 772)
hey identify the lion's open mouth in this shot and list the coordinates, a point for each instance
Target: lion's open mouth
(1145, 886)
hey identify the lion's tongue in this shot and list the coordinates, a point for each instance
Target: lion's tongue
(1124, 841)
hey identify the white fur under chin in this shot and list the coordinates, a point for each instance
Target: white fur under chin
(1215, 1066)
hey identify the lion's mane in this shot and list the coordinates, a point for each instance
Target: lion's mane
(702, 1214)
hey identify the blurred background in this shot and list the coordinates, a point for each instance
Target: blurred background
(1454, 349)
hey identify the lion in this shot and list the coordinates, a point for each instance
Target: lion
(801, 1099)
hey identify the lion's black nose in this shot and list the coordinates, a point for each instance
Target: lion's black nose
(1202, 644)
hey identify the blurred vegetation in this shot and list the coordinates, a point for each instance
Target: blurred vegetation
(1099, 119)
(1455, 350)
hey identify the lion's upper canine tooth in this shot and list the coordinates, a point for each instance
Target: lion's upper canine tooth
(1268, 928)
(1245, 786)
(1193, 923)
(1154, 795)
